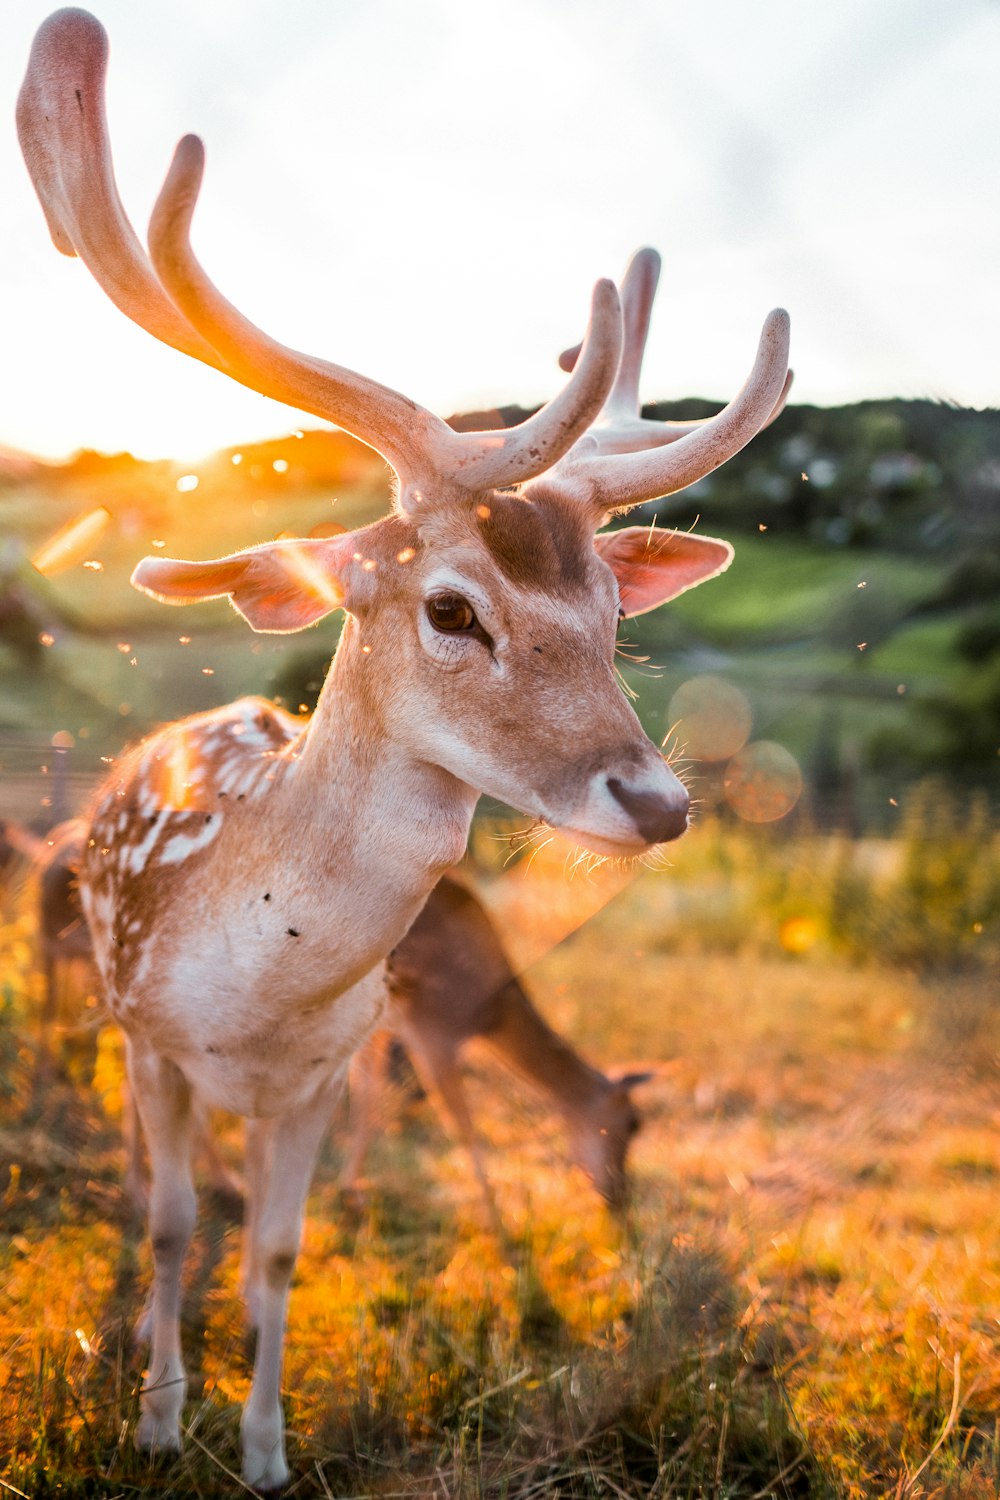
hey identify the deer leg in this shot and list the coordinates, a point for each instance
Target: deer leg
(367, 1081)
(163, 1099)
(134, 1182)
(438, 1070)
(45, 1070)
(277, 1229)
(258, 1134)
(220, 1179)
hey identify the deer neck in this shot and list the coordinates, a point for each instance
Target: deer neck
(404, 819)
(531, 1045)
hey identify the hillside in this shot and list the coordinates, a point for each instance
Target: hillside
(861, 619)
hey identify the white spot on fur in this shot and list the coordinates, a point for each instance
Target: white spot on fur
(182, 845)
(136, 861)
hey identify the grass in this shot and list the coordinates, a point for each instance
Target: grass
(802, 1301)
(775, 592)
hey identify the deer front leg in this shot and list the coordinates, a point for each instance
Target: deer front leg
(276, 1222)
(256, 1157)
(163, 1099)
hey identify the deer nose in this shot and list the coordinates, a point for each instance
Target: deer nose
(659, 817)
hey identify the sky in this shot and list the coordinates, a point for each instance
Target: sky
(427, 192)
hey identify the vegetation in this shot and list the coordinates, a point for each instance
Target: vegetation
(860, 618)
(802, 1300)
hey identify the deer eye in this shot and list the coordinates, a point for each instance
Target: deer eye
(451, 614)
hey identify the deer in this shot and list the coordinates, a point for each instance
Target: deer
(245, 876)
(449, 982)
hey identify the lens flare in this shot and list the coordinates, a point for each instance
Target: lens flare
(72, 542)
(310, 575)
(763, 782)
(712, 716)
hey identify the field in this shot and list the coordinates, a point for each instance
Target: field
(802, 1299)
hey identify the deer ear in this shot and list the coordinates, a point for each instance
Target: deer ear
(654, 566)
(280, 586)
(628, 1081)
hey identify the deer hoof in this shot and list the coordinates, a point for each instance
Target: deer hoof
(156, 1435)
(264, 1466)
(265, 1469)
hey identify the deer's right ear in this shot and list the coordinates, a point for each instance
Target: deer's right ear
(279, 587)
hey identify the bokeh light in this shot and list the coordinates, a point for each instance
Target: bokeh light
(763, 782)
(798, 934)
(712, 718)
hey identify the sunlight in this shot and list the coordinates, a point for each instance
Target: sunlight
(178, 772)
(71, 543)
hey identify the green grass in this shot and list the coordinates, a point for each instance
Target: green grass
(920, 651)
(779, 589)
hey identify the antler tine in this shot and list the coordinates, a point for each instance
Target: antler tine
(621, 428)
(618, 480)
(415, 442)
(519, 453)
(63, 132)
(402, 431)
(638, 292)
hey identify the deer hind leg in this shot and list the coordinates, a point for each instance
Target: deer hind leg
(47, 1068)
(222, 1182)
(367, 1090)
(134, 1181)
(163, 1099)
(276, 1221)
(438, 1069)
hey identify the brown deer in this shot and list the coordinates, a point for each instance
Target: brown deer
(450, 981)
(245, 877)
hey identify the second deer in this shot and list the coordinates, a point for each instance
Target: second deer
(450, 981)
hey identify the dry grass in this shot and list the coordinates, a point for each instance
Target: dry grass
(803, 1300)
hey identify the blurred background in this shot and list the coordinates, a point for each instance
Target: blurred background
(428, 195)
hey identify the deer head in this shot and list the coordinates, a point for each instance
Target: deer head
(482, 613)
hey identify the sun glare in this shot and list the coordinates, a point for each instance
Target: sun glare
(72, 543)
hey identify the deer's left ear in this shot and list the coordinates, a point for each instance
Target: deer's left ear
(280, 586)
(654, 566)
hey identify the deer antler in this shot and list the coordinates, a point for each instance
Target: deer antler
(596, 463)
(63, 131)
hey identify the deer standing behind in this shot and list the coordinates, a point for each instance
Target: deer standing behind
(450, 982)
(245, 877)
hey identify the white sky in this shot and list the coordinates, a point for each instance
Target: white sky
(426, 191)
